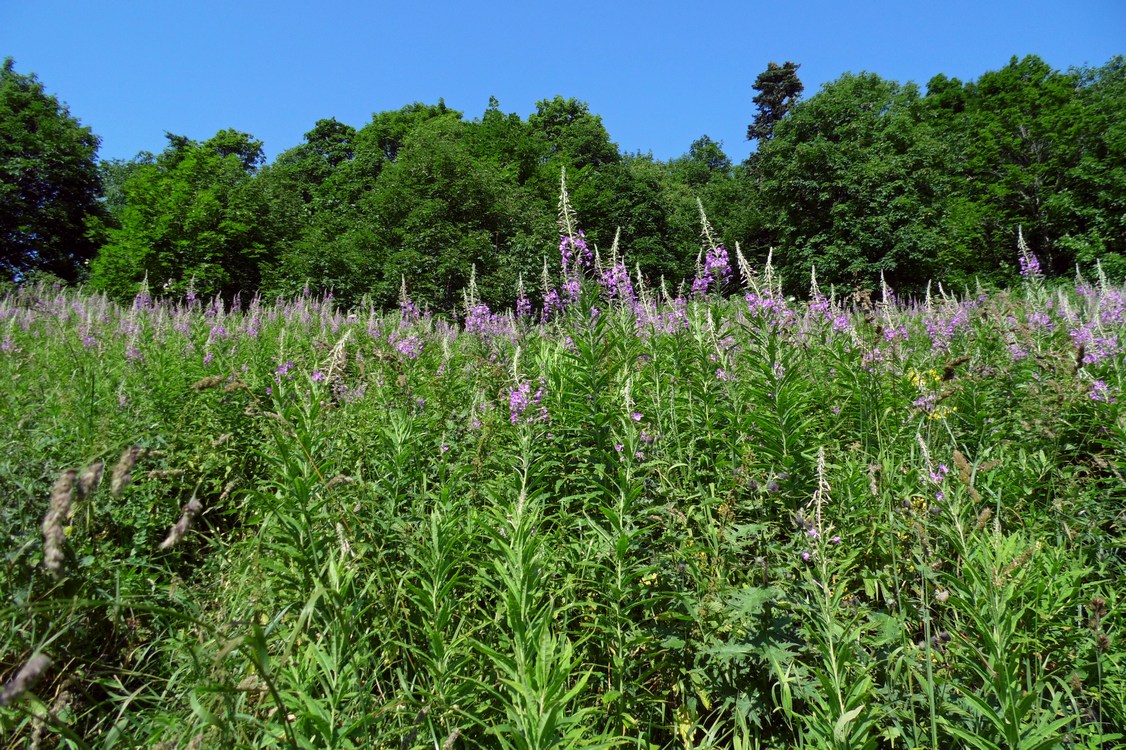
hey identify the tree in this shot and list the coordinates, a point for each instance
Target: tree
(48, 181)
(779, 88)
(573, 133)
(191, 217)
(704, 162)
(853, 181)
(1022, 135)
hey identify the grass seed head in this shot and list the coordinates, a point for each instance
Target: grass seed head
(54, 536)
(176, 533)
(26, 678)
(90, 478)
(983, 518)
(123, 472)
(211, 381)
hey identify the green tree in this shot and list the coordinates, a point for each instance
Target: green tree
(704, 162)
(778, 90)
(853, 180)
(1022, 133)
(191, 217)
(1097, 184)
(573, 133)
(49, 185)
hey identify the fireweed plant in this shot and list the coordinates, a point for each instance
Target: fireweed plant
(619, 515)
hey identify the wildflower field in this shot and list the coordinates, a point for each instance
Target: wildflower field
(615, 517)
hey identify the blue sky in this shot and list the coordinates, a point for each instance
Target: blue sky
(661, 74)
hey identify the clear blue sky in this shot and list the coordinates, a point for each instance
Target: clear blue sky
(660, 74)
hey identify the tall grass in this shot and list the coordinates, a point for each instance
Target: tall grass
(629, 519)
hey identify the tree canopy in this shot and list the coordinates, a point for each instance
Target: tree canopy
(866, 178)
(49, 181)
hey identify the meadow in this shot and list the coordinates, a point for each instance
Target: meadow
(618, 516)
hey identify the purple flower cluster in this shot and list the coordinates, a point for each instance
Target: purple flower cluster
(1100, 391)
(1096, 347)
(716, 271)
(409, 346)
(1029, 265)
(615, 283)
(520, 399)
(942, 330)
(283, 371)
(551, 304)
(768, 306)
(481, 321)
(574, 251)
(1040, 321)
(649, 318)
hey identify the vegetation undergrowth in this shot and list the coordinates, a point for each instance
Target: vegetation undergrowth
(627, 517)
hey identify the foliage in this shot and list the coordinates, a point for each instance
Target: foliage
(778, 89)
(49, 184)
(190, 222)
(867, 179)
(627, 518)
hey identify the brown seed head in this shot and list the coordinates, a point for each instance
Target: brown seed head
(88, 482)
(983, 518)
(211, 381)
(26, 678)
(188, 513)
(54, 536)
(949, 370)
(123, 472)
(965, 471)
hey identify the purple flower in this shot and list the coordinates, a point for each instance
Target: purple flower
(616, 284)
(635, 416)
(318, 376)
(518, 401)
(835, 540)
(571, 289)
(410, 347)
(575, 250)
(806, 556)
(1100, 391)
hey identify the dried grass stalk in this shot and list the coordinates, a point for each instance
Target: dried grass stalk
(54, 536)
(123, 472)
(176, 533)
(90, 478)
(211, 381)
(26, 678)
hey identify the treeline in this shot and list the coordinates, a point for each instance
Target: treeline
(866, 176)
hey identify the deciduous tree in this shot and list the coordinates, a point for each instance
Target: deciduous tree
(49, 184)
